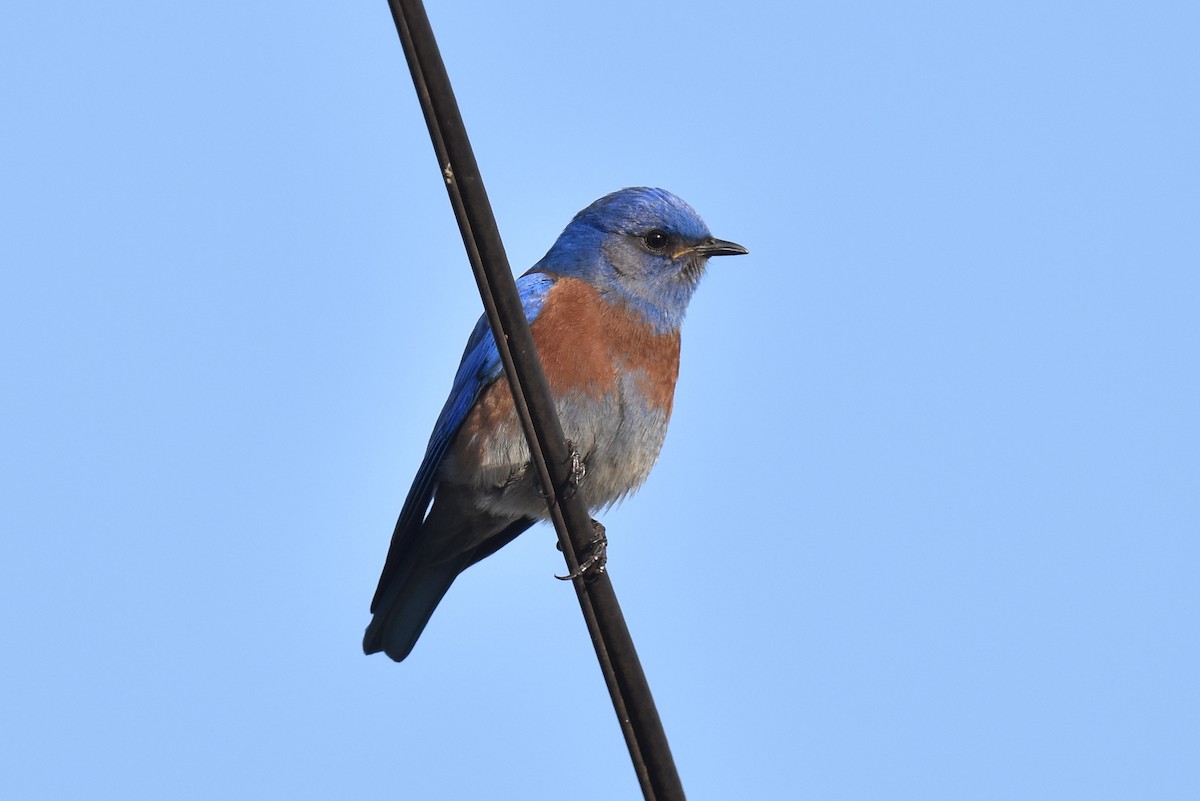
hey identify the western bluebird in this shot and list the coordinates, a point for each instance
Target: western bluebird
(604, 306)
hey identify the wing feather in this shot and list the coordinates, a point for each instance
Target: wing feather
(480, 366)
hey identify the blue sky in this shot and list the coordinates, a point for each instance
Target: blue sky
(926, 523)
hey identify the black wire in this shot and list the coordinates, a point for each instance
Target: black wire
(630, 692)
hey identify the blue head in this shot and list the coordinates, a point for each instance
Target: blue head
(641, 247)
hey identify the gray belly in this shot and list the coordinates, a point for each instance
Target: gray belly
(618, 437)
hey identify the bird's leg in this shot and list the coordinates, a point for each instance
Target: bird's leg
(594, 565)
(574, 478)
(578, 472)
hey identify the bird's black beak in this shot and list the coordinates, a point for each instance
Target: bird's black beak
(718, 247)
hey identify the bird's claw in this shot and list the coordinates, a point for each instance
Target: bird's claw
(577, 474)
(574, 478)
(594, 565)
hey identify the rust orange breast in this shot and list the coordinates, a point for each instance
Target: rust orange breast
(585, 344)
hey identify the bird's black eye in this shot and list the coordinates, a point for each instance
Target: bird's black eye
(656, 241)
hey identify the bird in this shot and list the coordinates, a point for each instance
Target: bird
(605, 306)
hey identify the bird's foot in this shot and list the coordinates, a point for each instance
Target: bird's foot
(574, 478)
(577, 474)
(594, 565)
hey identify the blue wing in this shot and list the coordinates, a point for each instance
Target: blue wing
(480, 366)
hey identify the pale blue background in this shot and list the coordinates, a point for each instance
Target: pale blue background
(926, 523)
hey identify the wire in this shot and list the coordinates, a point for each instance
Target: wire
(550, 454)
